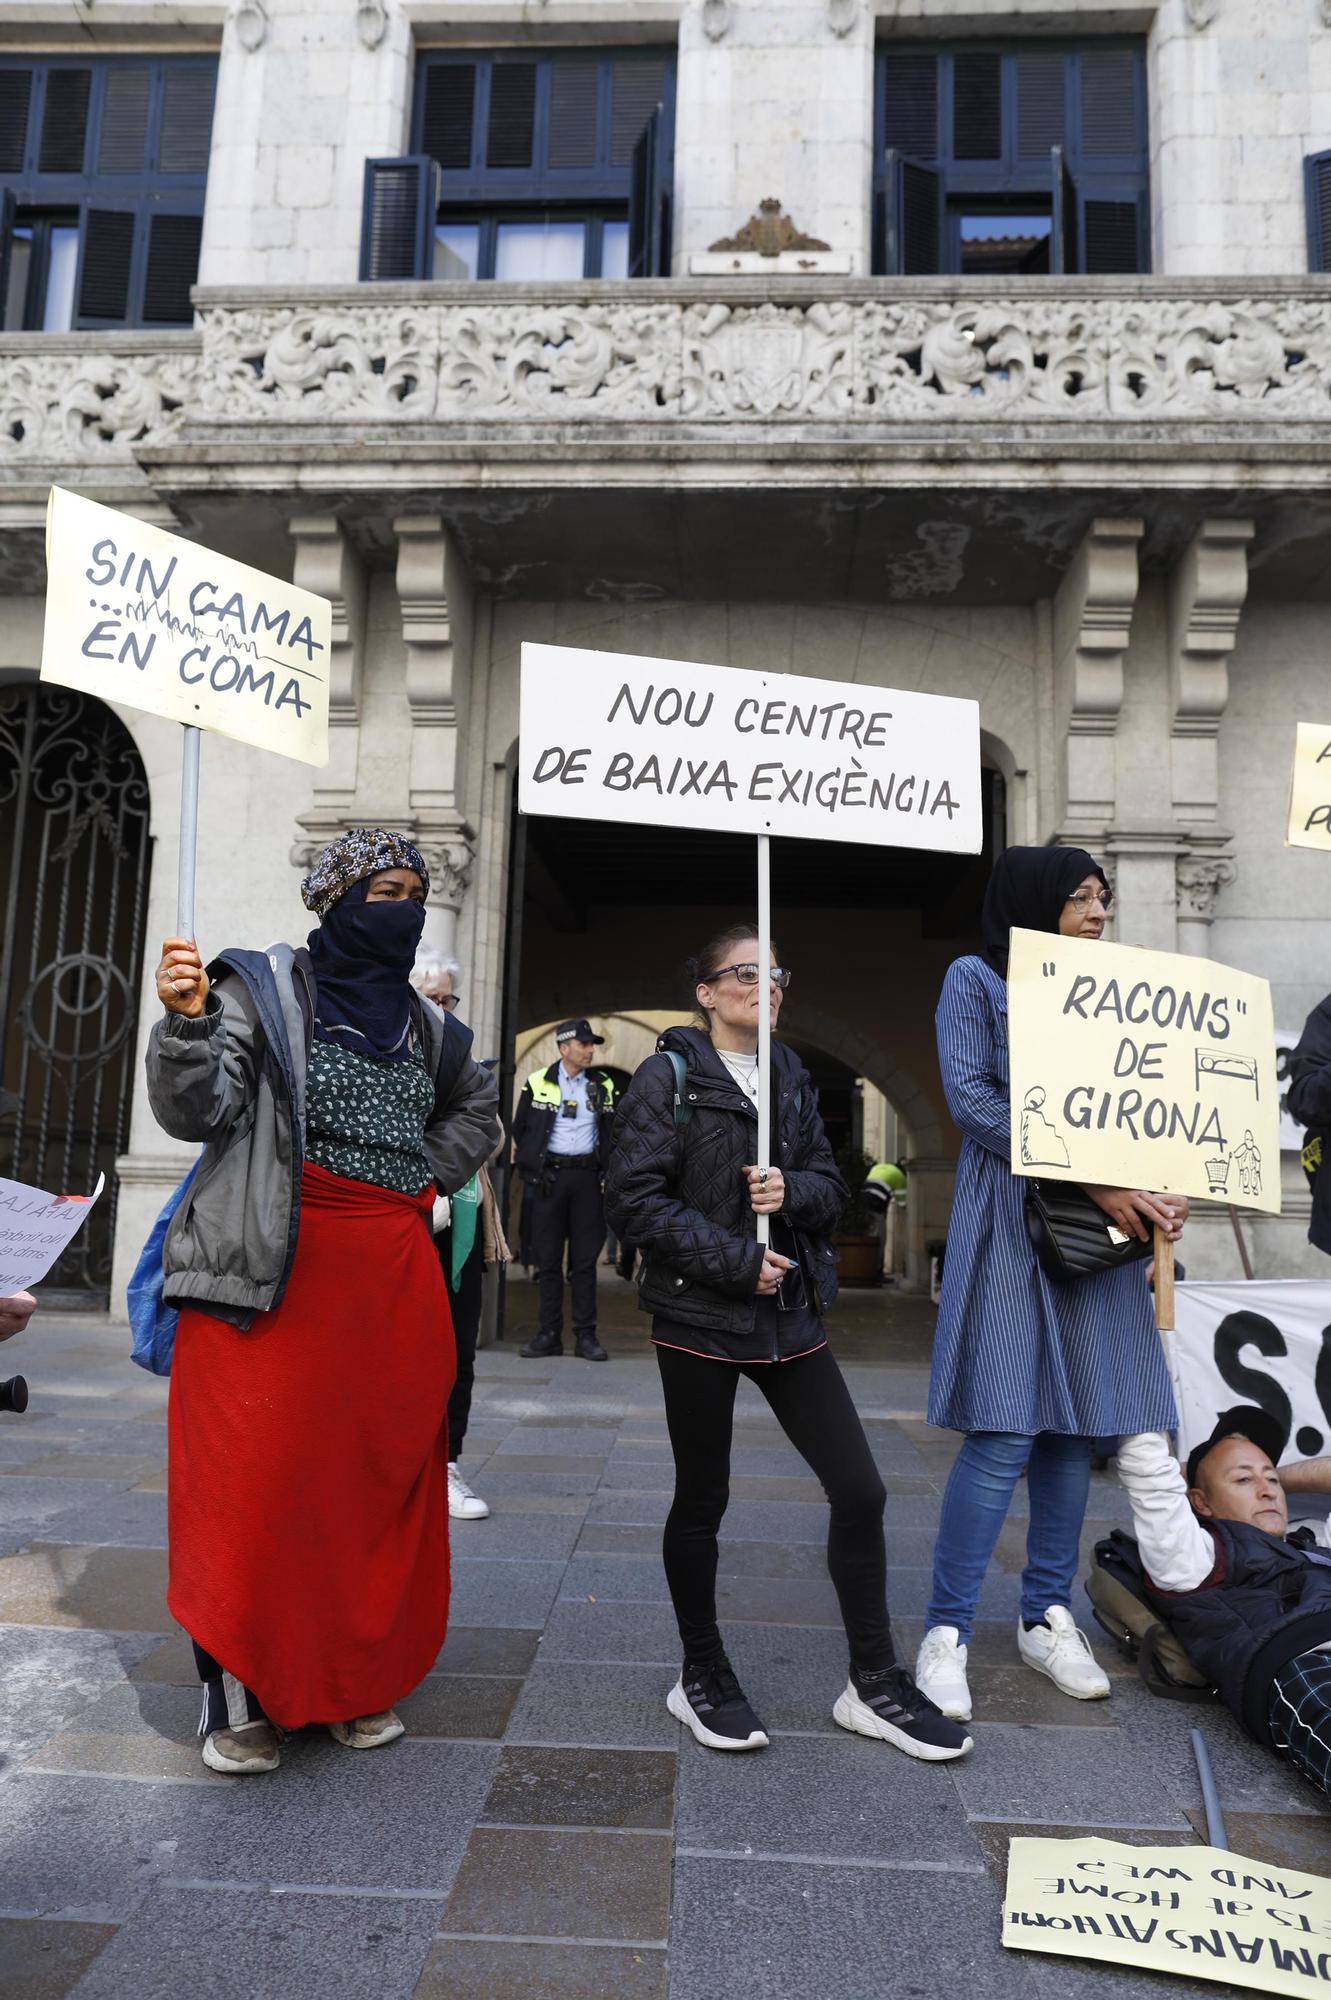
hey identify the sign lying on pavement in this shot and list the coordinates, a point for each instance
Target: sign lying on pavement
(1198, 1912)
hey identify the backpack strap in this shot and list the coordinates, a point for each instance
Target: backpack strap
(679, 1069)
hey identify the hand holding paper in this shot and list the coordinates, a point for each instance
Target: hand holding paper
(15, 1313)
(35, 1227)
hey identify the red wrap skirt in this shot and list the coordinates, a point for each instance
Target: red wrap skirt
(308, 1475)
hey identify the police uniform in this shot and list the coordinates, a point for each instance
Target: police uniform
(561, 1137)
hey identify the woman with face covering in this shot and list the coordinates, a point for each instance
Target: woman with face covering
(1029, 1370)
(308, 1491)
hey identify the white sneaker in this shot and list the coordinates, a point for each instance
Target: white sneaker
(463, 1504)
(1058, 1648)
(940, 1672)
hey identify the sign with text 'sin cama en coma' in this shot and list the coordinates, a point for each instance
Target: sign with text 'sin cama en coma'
(141, 617)
(1142, 1069)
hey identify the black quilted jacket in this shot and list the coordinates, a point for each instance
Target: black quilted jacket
(677, 1192)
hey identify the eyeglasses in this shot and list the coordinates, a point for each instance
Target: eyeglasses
(747, 975)
(449, 1003)
(1083, 899)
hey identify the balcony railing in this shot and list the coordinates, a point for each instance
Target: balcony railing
(847, 361)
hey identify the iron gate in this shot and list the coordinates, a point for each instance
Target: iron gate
(74, 859)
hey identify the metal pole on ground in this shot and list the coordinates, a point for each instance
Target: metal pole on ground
(1215, 1819)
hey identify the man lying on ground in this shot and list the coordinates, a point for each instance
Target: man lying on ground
(15, 1312)
(1248, 1600)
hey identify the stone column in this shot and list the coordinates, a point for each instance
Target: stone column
(1092, 620)
(1206, 595)
(929, 1187)
(327, 564)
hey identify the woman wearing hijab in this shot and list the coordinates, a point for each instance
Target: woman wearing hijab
(1029, 1370)
(308, 1491)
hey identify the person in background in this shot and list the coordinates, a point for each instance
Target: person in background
(1309, 1102)
(307, 1498)
(1249, 1601)
(468, 1237)
(561, 1142)
(1030, 1371)
(15, 1312)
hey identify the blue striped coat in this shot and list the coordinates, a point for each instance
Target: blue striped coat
(1014, 1352)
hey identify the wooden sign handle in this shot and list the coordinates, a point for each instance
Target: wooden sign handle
(1164, 1281)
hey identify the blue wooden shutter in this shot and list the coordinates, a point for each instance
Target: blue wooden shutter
(1317, 197)
(397, 225)
(650, 199)
(1063, 216)
(913, 204)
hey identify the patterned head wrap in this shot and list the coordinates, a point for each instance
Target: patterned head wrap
(360, 851)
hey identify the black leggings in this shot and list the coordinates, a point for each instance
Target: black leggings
(812, 1404)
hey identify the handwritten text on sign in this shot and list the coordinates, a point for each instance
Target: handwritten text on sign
(34, 1228)
(1310, 788)
(1262, 1342)
(138, 616)
(664, 743)
(1142, 1069)
(1201, 1912)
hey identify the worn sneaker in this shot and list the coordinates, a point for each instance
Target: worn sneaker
(710, 1701)
(1063, 1652)
(367, 1732)
(940, 1673)
(463, 1504)
(888, 1704)
(254, 1746)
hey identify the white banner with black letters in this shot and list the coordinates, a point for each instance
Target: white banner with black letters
(1266, 1342)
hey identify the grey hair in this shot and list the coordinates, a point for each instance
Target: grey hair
(433, 966)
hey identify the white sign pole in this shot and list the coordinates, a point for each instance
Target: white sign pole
(189, 833)
(764, 1018)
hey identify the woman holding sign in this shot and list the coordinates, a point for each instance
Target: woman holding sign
(1029, 1370)
(681, 1187)
(308, 1487)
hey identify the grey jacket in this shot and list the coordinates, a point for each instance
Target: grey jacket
(233, 1080)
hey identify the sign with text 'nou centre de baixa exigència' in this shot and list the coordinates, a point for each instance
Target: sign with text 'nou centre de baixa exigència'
(665, 743)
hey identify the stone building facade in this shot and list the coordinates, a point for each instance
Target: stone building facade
(980, 346)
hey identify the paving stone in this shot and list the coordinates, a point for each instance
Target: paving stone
(50, 1675)
(467, 1968)
(605, 1788)
(606, 1538)
(792, 1674)
(1284, 1840)
(74, 1510)
(639, 1476)
(773, 1930)
(170, 1660)
(91, 1848)
(546, 1883)
(523, 1501)
(143, 1731)
(533, 1480)
(43, 1960)
(745, 1487)
(1088, 1775)
(534, 1537)
(116, 1469)
(234, 1945)
(631, 1579)
(480, 1649)
(448, 1705)
(503, 1593)
(1016, 1694)
(566, 1702)
(635, 1632)
(1250, 1779)
(994, 1837)
(849, 1798)
(551, 1440)
(118, 1589)
(646, 1510)
(908, 1592)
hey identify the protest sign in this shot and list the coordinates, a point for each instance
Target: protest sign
(138, 616)
(1310, 788)
(1199, 1912)
(666, 743)
(1267, 1342)
(35, 1227)
(1142, 1069)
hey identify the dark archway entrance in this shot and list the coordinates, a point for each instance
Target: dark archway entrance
(74, 862)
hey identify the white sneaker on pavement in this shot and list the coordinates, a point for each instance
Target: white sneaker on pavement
(463, 1504)
(1063, 1652)
(940, 1672)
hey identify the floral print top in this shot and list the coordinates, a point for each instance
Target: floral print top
(365, 1119)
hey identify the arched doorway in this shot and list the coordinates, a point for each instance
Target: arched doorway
(74, 861)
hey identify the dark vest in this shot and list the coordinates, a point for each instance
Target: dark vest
(1275, 1601)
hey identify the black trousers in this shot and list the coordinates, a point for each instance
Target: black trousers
(812, 1404)
(464, 1299)
(570, 1215)
(227, 1702)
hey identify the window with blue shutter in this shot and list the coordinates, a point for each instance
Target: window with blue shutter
(544, 164)
(103, 167)
(1317, 197)
(1002, 160)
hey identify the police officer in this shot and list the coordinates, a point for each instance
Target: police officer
(561, 1142)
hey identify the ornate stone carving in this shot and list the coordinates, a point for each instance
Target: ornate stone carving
(769, 233)
(251, 19)
(351, 360)
(560, 362)
(1200, 880)
(1206, 594)
(371, 22)
(54, 405)
(327, 564)
(768, 361)
(1092, 619)
(1188, 358)
(979, 361)
(717, 16)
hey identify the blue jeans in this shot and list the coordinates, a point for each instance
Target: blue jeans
(975, 1505)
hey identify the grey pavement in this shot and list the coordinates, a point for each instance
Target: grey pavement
(544, 1829)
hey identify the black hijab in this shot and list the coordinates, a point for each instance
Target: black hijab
(362, 954)
(1027, 891)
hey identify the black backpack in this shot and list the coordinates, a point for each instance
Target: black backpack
(1116, 1586)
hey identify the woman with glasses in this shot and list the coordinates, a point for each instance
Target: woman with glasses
(684, 1189)
(1029, 1370)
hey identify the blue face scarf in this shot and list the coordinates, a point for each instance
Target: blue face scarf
(362, 954)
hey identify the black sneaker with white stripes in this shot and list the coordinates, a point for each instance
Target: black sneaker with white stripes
(709, 1700)
(887, 1704)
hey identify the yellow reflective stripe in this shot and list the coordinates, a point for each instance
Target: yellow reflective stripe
(541, 1088)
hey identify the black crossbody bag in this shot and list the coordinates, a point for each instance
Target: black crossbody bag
(1071, 1234)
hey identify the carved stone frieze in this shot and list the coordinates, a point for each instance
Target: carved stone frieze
(287, 364)
(976, 361)
(769, 361)
(1190, 358)
(55, 405)
(560, 362)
